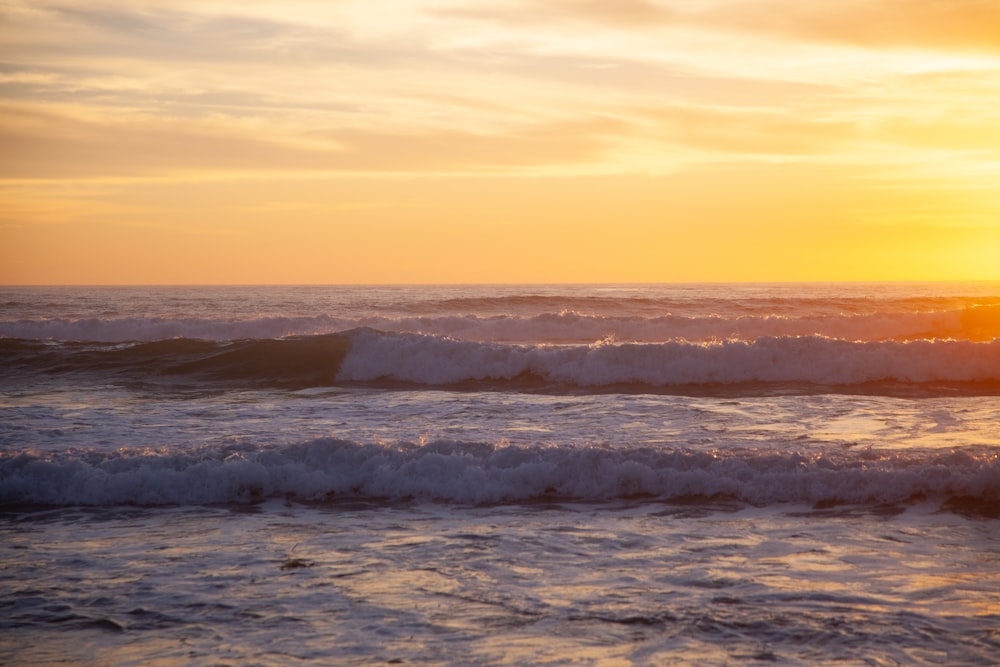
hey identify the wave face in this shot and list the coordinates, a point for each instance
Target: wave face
(367, 356)
(432, 360)
(330, 469)
(294, 362)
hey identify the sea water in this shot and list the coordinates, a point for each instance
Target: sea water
(561, 474)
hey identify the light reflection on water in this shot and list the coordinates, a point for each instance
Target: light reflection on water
(432, 584)
(56, 419)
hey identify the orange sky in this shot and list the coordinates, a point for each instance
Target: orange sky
(201, 141)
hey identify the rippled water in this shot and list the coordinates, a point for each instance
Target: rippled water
(543, 583)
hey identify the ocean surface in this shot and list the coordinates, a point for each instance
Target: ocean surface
(500, 475)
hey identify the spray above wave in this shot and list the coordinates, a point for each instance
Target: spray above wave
(329, 469)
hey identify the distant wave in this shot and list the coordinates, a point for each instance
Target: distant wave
(699, 303)
(565, 326)
(367, 356)
(463, 472)
(293, 362)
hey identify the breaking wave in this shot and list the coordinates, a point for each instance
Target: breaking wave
(366, 356)
(467, 472)
(431, 360)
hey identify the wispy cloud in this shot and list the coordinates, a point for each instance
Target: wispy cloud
(624, 13)
(127, 85)
(956, 24)
(841, 113)
(961, 24)
(47, 144)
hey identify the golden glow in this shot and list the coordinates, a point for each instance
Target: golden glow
(502, 141)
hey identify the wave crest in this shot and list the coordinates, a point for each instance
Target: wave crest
(432, 360)
(464, 472)
(366, 356)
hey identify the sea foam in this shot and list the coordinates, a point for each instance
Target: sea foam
(467, 472)
(433, 360)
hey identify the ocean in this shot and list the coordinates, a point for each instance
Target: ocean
(718, 474)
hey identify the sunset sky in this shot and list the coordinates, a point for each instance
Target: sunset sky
(343, 141)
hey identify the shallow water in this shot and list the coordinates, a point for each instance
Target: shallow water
(543, 583)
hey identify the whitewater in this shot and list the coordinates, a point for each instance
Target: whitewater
(519, 474)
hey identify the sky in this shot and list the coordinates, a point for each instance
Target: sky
(440, 141)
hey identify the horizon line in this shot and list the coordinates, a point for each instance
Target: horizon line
(519, 283)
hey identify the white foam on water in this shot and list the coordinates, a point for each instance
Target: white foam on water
(464, 472)
(432, 360)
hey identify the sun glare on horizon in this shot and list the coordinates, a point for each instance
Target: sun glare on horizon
(502, 141)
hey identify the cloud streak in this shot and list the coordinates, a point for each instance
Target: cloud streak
(955, 24)
(118, 86)
(43, 144)
(964, 25)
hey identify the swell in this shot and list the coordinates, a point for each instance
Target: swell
(976, 322)
(370, 357)
(469, 472)
(291, 362)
